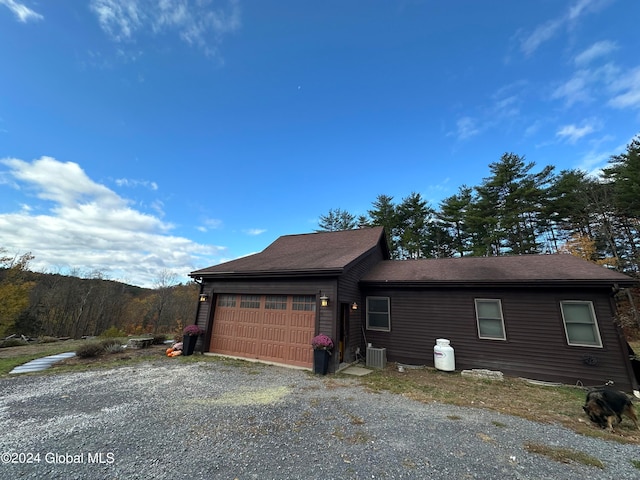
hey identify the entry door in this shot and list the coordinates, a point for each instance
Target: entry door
(344, 331)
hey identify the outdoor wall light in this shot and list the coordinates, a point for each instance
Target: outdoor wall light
(354, 306)
(324, 301)
(204, 297)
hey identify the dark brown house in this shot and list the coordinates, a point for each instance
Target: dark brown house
(543, 317)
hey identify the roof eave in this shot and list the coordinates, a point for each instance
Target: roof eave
(492, 283)
(319, 272)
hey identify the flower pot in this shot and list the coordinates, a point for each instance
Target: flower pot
(189, 344)
(321, 361)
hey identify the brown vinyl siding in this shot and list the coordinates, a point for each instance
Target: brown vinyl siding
(535, 345)
(349, 292)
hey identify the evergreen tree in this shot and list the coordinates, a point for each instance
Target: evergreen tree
(515, 196)
(337, 220)
(414, 216)
(384, 214)
(453, 217)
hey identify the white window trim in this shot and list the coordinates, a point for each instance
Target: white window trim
(595, 324)
(504, 331)
(380, 329)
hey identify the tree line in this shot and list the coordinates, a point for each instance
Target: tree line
(44, 304)
(518, 209)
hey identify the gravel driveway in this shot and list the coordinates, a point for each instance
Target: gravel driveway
(210, 420)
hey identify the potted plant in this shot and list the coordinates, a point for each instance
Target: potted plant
(322, 346)
(190, 336)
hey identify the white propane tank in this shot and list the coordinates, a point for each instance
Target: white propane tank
(443, 356)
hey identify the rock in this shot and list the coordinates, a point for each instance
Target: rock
(140, 342)
(482, 373)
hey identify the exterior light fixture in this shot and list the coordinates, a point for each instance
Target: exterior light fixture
(324, 301)
(204, 297)
(354, 306)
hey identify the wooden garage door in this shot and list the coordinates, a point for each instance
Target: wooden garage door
(275, 328)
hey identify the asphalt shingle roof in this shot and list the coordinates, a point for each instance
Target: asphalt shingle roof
(323, 251)
(331, 252)
(560, 268)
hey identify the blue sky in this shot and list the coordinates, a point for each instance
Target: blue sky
(140, 138)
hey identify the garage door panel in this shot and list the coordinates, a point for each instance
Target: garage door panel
(276, 335)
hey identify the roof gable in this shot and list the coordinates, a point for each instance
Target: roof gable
(320, 252)
(557, 268)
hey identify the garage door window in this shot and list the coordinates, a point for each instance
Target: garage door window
(276, 302)
(250, 301)
(305, 303)
(226, 300)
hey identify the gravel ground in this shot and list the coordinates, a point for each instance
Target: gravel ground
(210, 420)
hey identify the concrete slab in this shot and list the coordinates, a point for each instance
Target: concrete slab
(357, 371)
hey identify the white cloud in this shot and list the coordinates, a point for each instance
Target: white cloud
(586, 84)
(467, 127)
(546, 31)
(597, 50)
(24, 13)
(118, 18)
(626, 89)
(127, 182)
(572, 133)
(210, 224)
(195, 21)
(540, 35)
(85, 226)
(255, 231)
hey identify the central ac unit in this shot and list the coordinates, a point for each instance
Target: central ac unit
(376, 357)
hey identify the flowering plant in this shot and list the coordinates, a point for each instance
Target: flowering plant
(192, 330)
(321, 342)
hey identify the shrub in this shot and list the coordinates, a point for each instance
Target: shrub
(114, 348)
(90, 349)
(159, 339)
(13, 342)
(113, 332)
(110, 343)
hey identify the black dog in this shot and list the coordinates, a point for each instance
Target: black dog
(605, 406)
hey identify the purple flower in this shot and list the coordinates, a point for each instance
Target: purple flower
(192, 330)
(322, 342)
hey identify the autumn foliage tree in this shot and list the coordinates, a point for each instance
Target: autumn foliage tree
(14, 289)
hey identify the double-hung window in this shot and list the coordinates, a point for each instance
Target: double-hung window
(489, 318)
(378, 314)
(580, 323)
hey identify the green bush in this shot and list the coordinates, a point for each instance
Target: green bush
(159, 339)
(113, 332)
(90, 349)
(13, 342)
